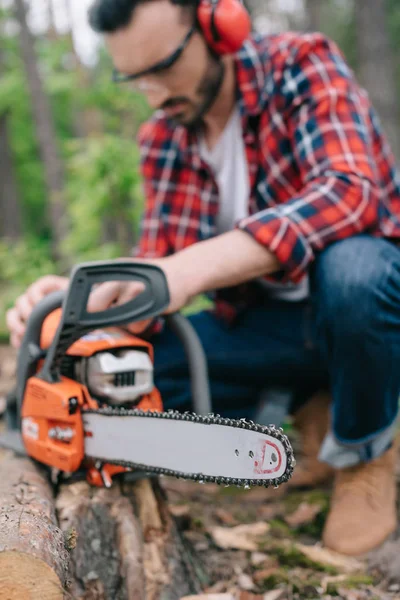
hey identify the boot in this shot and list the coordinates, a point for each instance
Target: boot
(312, 422)
(363, 506)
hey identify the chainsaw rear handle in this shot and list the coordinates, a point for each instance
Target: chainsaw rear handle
(76, 321)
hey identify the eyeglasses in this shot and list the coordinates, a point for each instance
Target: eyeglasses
(136, 80)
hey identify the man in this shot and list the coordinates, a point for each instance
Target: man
(268, 179)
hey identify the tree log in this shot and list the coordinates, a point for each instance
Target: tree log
(86, 543)
(33, 558)
(124, 543)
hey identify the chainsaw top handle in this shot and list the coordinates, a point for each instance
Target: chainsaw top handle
(76, 321)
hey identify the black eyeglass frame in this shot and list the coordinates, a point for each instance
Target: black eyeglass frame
(161, 66)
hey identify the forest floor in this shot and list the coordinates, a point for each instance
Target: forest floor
(265, 544)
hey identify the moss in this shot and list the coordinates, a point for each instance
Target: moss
(354, 581)
(292, 557)
(280, 529)
(316, 496)
(274, 580)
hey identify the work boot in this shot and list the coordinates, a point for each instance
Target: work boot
(363, 506)
(312, 422)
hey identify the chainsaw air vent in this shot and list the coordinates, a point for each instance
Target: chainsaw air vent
(125, 378)
(119, 378)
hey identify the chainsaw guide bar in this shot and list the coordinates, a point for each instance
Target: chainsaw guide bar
(270, 437)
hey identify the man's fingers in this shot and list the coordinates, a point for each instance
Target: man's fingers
(15, 341)
(130, 291)
(14, 322)
(139, 326)
(104, 296)
(44, 286)
(113, 293)
(24, 306)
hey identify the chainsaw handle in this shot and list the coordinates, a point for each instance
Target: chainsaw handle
(30, 349)
(81, 321)
(76, 321)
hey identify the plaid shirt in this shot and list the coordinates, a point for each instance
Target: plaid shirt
(320, 167)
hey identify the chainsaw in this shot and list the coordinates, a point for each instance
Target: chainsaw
(85, 398)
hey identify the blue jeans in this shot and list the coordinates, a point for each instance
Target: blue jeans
(345, 337)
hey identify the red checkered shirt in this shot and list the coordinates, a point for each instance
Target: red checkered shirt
(320, 167)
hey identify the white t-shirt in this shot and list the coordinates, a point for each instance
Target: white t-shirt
(228, 162)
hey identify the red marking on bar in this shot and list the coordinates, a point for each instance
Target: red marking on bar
(260, 459)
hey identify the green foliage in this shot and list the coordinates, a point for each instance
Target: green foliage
(20, 264)
(14, 99)
(103, 186)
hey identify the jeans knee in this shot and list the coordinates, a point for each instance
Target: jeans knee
(349, 280)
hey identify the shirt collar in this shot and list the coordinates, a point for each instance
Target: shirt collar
(252, 63)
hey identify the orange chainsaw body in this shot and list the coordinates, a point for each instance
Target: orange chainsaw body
(52, 425)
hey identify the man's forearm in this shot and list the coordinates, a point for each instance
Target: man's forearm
(223, 261)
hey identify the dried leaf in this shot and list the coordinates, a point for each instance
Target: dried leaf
(257, 558)
(243, 595)
(241, 537)
(225, 517)
(305, 513)
(179, 510)
(270, 511)
(209, 597)
(276, 595)
(245, 582)
(263, 574)
(324, 556)
(347, 594)
(325, 581)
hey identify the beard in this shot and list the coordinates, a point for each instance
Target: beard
(207, 92)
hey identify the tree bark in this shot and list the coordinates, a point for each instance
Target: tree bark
(9, 196)
(45, 131)
(89, 543)
(314, 14)
(376, 65)
(33, 558)
(125, 545)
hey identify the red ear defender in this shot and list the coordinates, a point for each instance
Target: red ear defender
(225, 24)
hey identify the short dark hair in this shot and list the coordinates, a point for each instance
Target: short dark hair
(108, 16)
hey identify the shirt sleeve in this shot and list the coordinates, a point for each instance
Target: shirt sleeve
(327, 116)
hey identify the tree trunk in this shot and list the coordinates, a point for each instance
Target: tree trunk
(9, 197)
(33, 558)
(376, 65)
(45, 130)
(314, 14)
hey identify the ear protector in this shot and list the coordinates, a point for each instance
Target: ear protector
(225, 24)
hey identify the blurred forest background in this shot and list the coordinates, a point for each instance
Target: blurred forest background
(69, 184)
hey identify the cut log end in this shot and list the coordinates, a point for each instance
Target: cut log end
(26, 576)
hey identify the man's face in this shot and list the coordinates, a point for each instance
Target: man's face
(184, 90)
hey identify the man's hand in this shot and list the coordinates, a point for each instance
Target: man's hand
(116, 293)
(17, 317)
(225, 260)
